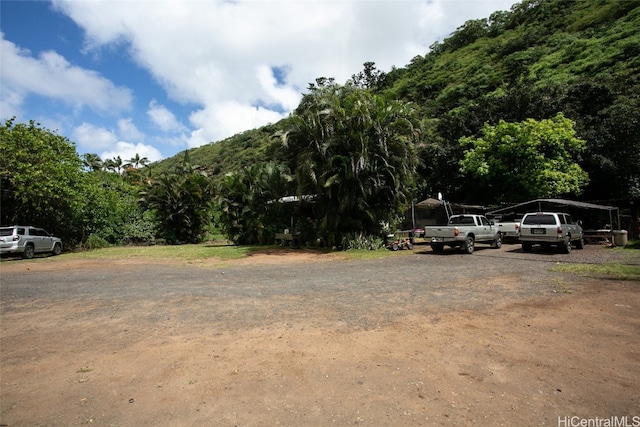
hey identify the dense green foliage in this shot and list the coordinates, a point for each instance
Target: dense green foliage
(43, 183)
(112, 212)
(181, 202)
(542, 58)
(229, 155)
(247, 201)
(524, 161)
(355, 152)
(41, 180)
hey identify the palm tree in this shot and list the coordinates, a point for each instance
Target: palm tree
(248, 202)
(92, 162)
(232, 202)
(118, 164)
(114, 165)
(355, 152)
(182, 200)
(137, 161)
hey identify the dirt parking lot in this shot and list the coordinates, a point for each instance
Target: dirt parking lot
(298, 338)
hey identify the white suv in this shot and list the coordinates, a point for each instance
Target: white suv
(27, 240)
(550, 228)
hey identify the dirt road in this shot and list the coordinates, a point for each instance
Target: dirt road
(307, 339)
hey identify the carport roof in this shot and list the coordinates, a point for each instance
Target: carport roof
(550, 204)
(432, 203)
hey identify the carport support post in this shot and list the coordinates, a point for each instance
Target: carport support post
(611, 219)
(413, 215)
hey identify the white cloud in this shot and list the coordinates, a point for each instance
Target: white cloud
(219, 55)
(282, 95)
(128, 150)
(10, 103)
(163, 118)
(128, 130)
(219, 121)
(51, 75)
(92, 138)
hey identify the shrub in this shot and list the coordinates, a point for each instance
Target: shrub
(362, 241)
(96, 242)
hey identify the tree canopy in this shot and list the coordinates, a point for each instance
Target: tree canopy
(355, 152)
(526, 160)
(181, 201)
(248, 202)
(44, 182)
(40, 178)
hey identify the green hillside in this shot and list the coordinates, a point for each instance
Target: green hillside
(580, 58)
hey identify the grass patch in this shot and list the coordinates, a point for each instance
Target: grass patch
(363, 254)
(631, 244)
(190, 253)
(559, 285)
(200, 252)
(616, 271)
(203, 251)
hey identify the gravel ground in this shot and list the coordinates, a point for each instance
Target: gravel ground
(348, 292)
(421, 282)
(304, 339)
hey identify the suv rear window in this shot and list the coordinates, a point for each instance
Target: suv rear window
(540, 219)
(4, 232)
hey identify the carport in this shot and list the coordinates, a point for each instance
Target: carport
(589, 213)
(435, 212)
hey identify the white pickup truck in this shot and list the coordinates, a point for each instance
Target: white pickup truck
(509, 227)
(463, 231)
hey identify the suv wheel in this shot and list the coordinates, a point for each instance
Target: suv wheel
(566, 247)
(580, 243)
(526, 246)
(28, 251)
(57, 249)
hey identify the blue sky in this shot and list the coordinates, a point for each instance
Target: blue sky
(153, 77)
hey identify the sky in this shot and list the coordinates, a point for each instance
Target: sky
(154, 78)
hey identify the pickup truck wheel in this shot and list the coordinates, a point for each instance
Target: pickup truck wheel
(566, 246)
(57, 249)
(497, 242)
(468, 245)
(395, 247)
(28, 251)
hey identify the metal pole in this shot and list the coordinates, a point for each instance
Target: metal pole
(413, 216)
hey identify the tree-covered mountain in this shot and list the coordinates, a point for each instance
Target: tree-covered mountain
(541, 58)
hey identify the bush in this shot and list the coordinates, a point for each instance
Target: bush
(362, 241)
(140, 231)
(96, 242)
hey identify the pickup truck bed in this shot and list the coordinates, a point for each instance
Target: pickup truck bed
(463, 231)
